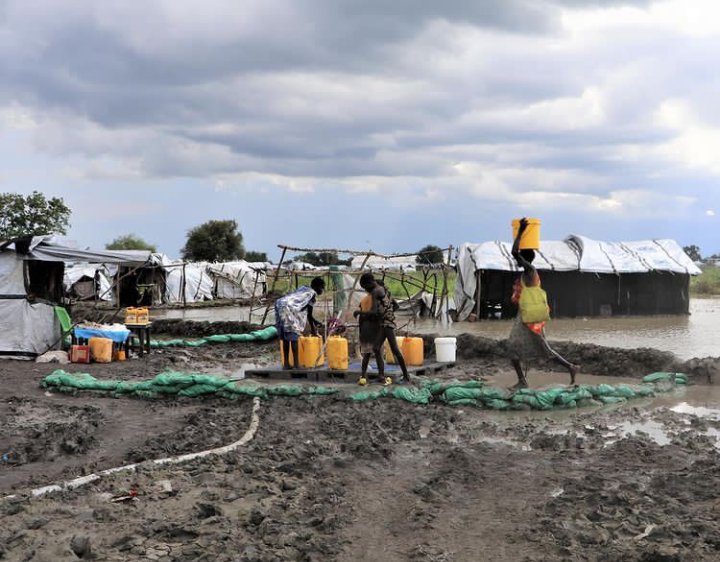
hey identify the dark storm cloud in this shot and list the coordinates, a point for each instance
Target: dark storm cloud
(303, 88)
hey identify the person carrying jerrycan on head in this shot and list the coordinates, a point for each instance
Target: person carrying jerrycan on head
(527, 337)
(377, 324)
(292, 313)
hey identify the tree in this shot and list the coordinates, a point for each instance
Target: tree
(430, 254)
(32, 215)
(214, 241)
(693, 252)
(130, 242)
(256, 256)
(319, 259)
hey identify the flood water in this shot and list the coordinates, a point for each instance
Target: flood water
(687, 336)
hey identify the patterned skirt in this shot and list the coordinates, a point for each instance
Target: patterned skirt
(525, 344)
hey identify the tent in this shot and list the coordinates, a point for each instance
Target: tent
(238, 279)
(87, 282)
(583, 277)
(187, 282)
(31, 282)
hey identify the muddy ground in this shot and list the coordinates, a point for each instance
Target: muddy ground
(329, 479)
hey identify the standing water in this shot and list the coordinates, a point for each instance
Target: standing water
(687, 336)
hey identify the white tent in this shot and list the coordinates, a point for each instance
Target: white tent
(75, 275)
(28, 325)
(187, 282)
(575, 253)
(237, 279)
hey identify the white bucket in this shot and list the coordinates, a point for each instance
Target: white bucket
(445, 349)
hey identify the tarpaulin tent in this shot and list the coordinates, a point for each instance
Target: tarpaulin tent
(238, 279)
(583, 277)
(87, 282)
(31, 282)
(187, 282)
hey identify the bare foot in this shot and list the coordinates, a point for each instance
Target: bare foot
(573, 369)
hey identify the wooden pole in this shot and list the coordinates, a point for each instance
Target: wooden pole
(355, 282)
(272, 287)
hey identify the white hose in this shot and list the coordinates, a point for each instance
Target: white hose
(81, 481)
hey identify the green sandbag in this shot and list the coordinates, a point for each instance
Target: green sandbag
(664, 376)
(220, 338)
(538, 399)
(412, 395)
(464, 402)
(173, 378)
(241, 337)
(197, 390)
(212, 380)
(528, 400)
(573, 395)
(493, 404)
(194, 343)
(245, 390)
(483, 393)
(285, 390)
(435, 387)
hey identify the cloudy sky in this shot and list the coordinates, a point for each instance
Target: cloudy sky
(366, 124)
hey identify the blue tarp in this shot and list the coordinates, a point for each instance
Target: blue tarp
(117, 336)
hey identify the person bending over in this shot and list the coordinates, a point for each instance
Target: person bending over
(292, 313)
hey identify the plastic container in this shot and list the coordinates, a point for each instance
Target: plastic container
(130, 315)
(531, 237)
(412, 350)
(337, 352)
(445, 349)
(80, 353)
(282, 355)
(101, 349)
(389, 357)
(310, 351)
(142, 315)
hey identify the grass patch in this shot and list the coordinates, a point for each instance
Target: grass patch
(707, 283)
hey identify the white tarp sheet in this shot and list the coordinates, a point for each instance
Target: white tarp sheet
(237, 279)
(197, 283)
(12, 276)
(26, 328)
(75, 273)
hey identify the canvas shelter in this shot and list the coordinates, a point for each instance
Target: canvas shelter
(87, 282)
(31, 283)
(582, 276)
(238, 279)
(187, 282)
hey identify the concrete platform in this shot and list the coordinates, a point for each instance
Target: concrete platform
(324, 374)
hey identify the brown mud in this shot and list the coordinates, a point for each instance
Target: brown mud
(329, 479)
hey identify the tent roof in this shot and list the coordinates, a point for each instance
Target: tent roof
(579, 253)
(48, 248)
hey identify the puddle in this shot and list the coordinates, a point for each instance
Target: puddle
(700, 411)
(655, 430)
